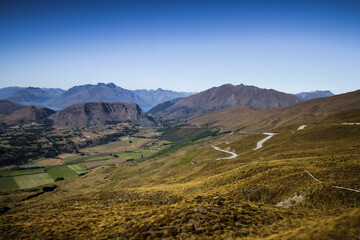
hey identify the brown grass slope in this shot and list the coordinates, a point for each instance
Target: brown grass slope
(248, 119)
(167, 197)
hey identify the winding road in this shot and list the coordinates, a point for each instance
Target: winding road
(260, 143)
(234, 155)
(301, 127)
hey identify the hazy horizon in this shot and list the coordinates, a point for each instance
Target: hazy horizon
(289, 46)
(154, 89)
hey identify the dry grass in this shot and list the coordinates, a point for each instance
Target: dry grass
(50, 161)
(167, 197)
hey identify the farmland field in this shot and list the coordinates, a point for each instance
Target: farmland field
(61, 171)
(7, 183)
(33, 180)
(50, 161)
(77, 168)
(116, 152)
(119, 146)
(9, 173)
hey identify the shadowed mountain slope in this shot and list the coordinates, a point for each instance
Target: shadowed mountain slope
(7, 107)
(100, 113)
(27, 114)
(222, 97)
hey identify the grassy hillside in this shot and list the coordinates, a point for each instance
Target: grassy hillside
(261, 194)
(247, 119)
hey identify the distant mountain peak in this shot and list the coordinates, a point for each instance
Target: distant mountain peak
(224, 96)
(111, 85)
(314, 94)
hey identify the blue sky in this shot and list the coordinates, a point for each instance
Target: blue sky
(290, 46)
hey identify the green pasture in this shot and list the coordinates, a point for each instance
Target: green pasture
(12, 173)
(33, 180)
(77, 168)
(113, 153)
(61, 171)
(7, 183)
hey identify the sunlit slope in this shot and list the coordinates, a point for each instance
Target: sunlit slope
(168, 197)
(248, 119)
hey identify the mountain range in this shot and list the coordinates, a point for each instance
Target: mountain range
(59, 99)
(91, 105)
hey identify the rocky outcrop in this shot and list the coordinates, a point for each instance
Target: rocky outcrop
(100, 113)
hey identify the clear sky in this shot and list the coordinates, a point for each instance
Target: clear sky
(289, 45)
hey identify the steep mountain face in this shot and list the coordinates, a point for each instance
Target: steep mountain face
(314, 94)
(97, 93)
(225, 96)
(100, 113)
(7, 107)
(9, 91)
(155, 97)
(27, 114)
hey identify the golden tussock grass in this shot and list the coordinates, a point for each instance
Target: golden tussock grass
(167, 197)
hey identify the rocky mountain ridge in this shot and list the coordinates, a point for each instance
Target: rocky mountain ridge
(222, 97)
